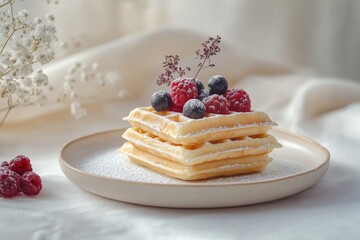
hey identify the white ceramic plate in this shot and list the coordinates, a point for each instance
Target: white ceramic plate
(94, 164)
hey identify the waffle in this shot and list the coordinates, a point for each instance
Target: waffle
(176, 128)
(225, 167)
(189, 155)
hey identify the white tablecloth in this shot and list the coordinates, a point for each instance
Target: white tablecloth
(327, 110)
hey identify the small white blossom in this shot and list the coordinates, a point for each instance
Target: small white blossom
(37, 20)
(23, 15)
(27, 42)
(50, 17)
(40, 79)
(11, 87)
(73, 95)
(5, 29)
(113, 78)
(101, 79)
(68, 87)
(77, 110)
(26, 82)
(84, 77)
(43, 58)
(84, 68)
(40, 31)
(69, 78)
(95, 66)
(22, 70)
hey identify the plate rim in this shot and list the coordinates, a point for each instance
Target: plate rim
(62, 162)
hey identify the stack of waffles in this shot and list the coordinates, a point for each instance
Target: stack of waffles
(192, 149)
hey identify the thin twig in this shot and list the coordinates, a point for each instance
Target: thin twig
(7, 40)
(5, 4)
(10, 107)
(201, 67)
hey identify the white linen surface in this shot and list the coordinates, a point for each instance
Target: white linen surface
(327, 110)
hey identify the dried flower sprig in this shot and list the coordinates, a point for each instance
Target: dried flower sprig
(210, 48)
(92, 75)
(170, 66)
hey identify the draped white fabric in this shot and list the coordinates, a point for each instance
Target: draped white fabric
(326, 109)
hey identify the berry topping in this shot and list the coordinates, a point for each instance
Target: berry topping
(161, 101)
(20, 164)
(30, 183)
(199, 85)
(203, 94)
(239, 100)
(9, 183)
(194, 109)
(175, 108)
(182, 90)
(217, 85)
(216, 104)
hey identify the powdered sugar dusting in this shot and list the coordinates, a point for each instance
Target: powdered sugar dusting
(99, 155)
(116, 165)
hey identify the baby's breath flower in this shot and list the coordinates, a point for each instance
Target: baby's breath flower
(5, 29)
(95, 66)
(77, 110)
(68, 87)
(113, 78)
(37, 20)
(40, 79)
(84, 76)
(26, 82)
(40, 31)
(23, 15)
(26, 41)
(50, 17)
(80, 73)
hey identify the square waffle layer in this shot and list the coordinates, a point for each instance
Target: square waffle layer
(176, 128)
(224, 167)
(189, 155)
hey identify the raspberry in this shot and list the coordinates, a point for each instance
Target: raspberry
(239, 100)
(182, 90)
(216, 104)
(20, 164)
(30, 183)
(194, 109)
(175, 108)
(9, 182)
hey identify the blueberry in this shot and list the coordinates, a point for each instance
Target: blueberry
(199, 85)
(194, 109)
(161, 101)
(217, 85)
(203, 94)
